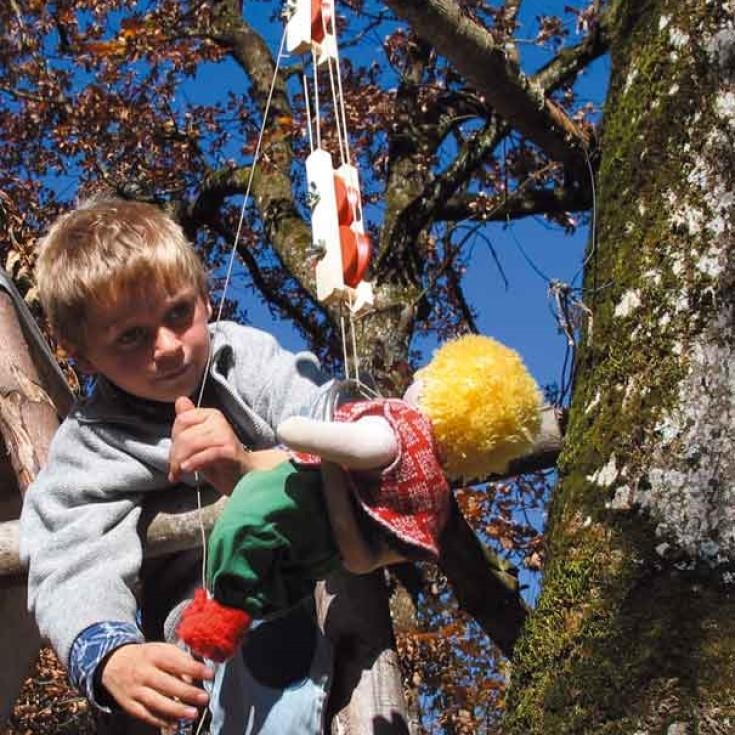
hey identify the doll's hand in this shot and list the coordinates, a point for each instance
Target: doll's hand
(202, 440)
(367, 444)
(150, 681)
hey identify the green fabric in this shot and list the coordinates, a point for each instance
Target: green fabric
(271, 542)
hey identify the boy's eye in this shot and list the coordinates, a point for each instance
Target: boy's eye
(131, 337)
(181, 312)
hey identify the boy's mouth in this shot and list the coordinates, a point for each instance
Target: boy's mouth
(173, 374)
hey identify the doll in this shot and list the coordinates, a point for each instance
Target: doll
(369, 488)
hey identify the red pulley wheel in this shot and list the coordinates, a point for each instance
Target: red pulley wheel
(355, 255)
(321, 18)
(345, 211)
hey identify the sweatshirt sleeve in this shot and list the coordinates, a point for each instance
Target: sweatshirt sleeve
(278, 383)
(79, 535)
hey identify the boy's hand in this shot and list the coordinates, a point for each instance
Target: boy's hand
(202, 440)
(150, 681)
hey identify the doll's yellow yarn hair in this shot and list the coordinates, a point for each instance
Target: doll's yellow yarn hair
(483, 404)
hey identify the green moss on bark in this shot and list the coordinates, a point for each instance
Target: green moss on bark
(623, 640)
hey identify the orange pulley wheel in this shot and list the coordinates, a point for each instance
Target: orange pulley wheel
(347, 201)
(321, 19)
(356, 251)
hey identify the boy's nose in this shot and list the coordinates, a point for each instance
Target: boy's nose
(167, 343)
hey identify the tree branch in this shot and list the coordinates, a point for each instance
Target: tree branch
(521, 203)
(416, 215)
(476, 55)
(565, 66)
(477, 148)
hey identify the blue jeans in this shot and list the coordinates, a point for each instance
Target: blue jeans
(278, 682)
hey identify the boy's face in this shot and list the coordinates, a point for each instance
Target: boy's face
(153, 347)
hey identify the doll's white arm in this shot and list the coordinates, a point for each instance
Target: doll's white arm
(368, 443)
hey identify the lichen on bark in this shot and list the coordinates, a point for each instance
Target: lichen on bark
(633, 632)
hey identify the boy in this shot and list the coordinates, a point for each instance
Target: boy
(126, 296)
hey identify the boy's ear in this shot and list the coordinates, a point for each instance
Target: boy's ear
(209, 308)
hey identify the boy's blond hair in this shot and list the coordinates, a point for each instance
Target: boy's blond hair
(105, 250)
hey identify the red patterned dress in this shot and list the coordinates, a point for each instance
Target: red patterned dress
(410, 499)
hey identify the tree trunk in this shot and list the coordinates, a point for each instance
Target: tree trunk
(634, 629)
(366, 695)
(28, 420)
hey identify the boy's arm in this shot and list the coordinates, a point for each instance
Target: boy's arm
(275, 382)
(80, 539)
(79, 536)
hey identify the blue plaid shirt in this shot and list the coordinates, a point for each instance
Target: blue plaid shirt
(89, 650)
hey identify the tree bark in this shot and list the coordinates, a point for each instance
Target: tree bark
(366, 695)
(28, 420)
(634, 629)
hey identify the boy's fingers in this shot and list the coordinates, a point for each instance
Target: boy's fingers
(183, 404)
(139, 712)
(180, 664)
(203, 459)
(186, 694)
(177, 693)
(185, 421)
(166, 710)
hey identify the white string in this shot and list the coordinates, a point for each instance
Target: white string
(593, 218)
(342, 108)
(317, 111)
(225, 286)
(337, 116)
(308, 113)
(343, 335)
(340, 120)
(201, 722)
(355, 355)
(340, 116)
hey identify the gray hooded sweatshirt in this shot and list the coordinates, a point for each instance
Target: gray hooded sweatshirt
(79, 523)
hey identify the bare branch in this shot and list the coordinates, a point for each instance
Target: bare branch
(565, 66)
(413, 218)
(510, 12)
(426, 206)
(476, 55)
(521, 203)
